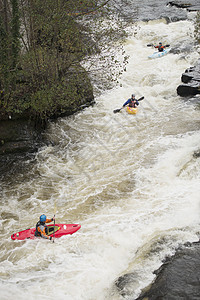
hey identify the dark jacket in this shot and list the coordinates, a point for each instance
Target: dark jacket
(160, 48)
(131, 103)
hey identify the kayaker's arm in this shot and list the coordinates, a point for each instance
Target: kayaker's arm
(49, 220)
(127, 102)
(137, 102)
(43, 233)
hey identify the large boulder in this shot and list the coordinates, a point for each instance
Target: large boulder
(190, 89)
(191, 81)
(178, 278)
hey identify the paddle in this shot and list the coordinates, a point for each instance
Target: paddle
(54, 220)
(54, 228)
(119, 109)
(151, 45)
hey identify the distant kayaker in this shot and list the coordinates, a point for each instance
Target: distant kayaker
(160, 47)
(132, 102)
(41, 227)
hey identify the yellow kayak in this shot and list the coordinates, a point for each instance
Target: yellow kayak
(131, 110)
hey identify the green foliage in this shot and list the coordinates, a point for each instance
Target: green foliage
(31, 79)
(9, 50)
(79, 7)
(40, 66)
(15, 32)
(197, 28)
(4, 59)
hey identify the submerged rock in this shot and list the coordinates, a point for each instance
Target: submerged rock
(178, 278)
(196, 154)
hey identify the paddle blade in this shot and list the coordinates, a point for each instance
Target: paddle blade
(117, 110)
(149, 45)
(141, 98)
(167, 45)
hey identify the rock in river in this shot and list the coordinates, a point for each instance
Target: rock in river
(191, 81)
(178, 278)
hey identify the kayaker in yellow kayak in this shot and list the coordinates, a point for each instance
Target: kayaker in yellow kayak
(41, 227)
(132, 102)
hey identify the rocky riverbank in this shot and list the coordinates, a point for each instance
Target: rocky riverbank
(21, 132)
(21, 135)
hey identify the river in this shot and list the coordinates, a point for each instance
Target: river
(131, 181)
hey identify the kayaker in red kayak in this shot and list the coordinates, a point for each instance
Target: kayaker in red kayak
(160, 47)
(41, 227)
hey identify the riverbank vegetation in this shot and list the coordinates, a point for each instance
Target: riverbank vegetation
(197, 28)
(41, 49)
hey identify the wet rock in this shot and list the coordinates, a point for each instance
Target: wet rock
(19, 141)
(191, 81)
(126, 283)
(192, 5)
(192, 73)
(189, 89)
(178, 278)
(182, 48)
(18, 136)
(196, 154)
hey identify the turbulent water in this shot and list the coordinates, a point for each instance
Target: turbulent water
(131, 181)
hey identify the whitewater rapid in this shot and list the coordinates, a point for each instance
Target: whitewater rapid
(131, 181)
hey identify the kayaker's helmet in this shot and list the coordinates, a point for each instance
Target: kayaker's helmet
(43, 218)
(160, 43)
(133, 95)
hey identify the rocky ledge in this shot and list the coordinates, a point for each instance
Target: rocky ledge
(178, 278)
(192, 5)
(191, 81)
(22, 133)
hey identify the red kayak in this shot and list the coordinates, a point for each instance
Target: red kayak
(60, 230)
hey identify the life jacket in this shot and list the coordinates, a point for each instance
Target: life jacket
(160, 48)
(42, 226)
(132, 103)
